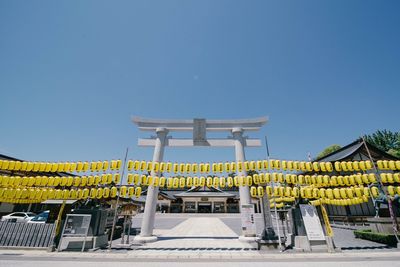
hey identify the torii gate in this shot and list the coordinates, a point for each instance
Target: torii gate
(199, 127)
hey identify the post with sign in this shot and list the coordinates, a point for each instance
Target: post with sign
(248, 223)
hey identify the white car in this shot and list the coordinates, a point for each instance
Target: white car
(18, 217)
(40, 218)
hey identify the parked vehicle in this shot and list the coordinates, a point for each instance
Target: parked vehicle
(18, 217)
(40, 218)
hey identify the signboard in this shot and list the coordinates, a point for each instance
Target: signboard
(248, 223)
(76, 225)
(128, 210)
(312, 223)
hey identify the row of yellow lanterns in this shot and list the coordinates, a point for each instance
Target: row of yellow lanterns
(50, 193)
(249, 166)
(85, 166)
(278, 191)
(281, 199)
(274, 164)
(19, 201)
(339, 202)
(194, 167)
(29, 181)
(262, 178)
(311, 192)
(346, 166)
(182, 182)
(339, 180)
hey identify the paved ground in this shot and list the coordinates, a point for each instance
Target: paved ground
(172, 227)
(197, 234)
(344, 238)
(170, 220)
(67, 263)
(199, 241)
(163, 221)
(44, 259)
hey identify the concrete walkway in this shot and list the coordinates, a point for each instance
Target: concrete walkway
(201, 227)
(199, 233)
(188, 239)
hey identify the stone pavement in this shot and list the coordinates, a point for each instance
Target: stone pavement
(164, 221)
(200, 227)
(197, 234)
(187, 240)
(222, 230)
(209, 238)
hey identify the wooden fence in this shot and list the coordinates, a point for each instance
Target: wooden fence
(34, 235)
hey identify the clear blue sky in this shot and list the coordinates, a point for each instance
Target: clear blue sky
(72, 73)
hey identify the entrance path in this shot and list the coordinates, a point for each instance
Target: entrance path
(212, 232)
(198, 233)
(201, 227)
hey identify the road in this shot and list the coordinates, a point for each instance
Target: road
(306, 260)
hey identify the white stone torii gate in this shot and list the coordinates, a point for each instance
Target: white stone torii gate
(199, 127)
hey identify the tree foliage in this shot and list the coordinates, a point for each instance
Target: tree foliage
(328, 150)
(394, 152)
(385, 140)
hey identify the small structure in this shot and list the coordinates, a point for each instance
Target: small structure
(205, 200)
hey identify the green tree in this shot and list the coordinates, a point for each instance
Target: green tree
(385, 140)
(394, 152)
(328, 150)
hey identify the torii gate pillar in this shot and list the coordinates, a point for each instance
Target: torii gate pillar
(199, 127)
(146, 231)
(244, 192)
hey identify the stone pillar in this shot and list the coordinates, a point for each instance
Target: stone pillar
(146, 231)
(244, 192)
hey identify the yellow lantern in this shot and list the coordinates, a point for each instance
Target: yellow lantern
(114, 190)
(123, 191)
(162, 181)
(138, 192)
